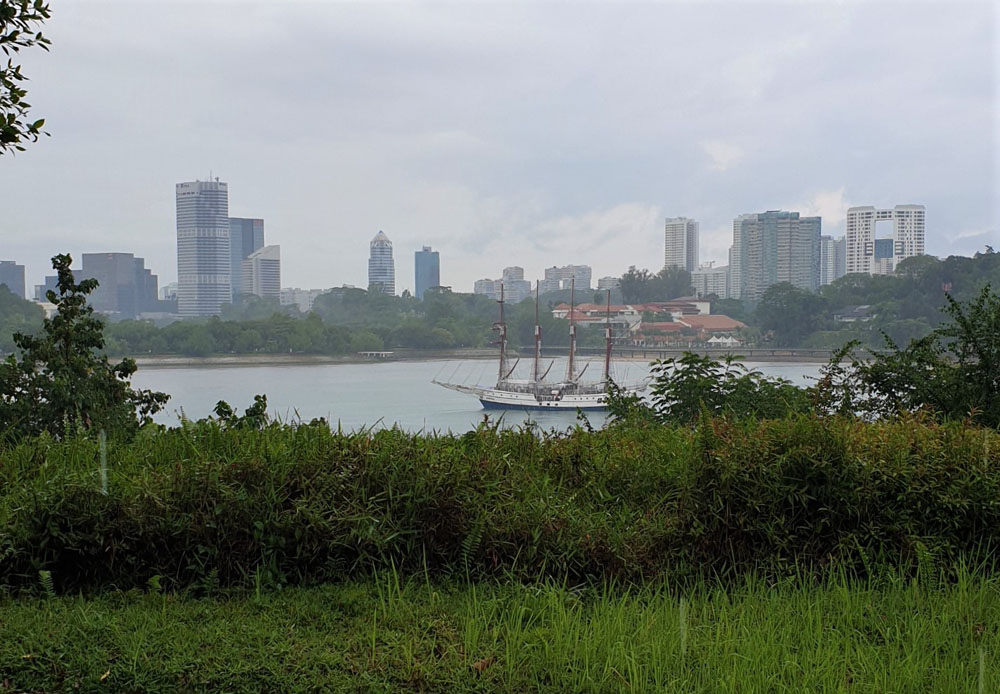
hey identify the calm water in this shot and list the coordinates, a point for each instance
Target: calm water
(374, 394)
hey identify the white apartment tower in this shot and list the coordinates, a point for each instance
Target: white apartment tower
(680, 243)
(204, 266)
(381, 268)
(908, 226)
(261, 273)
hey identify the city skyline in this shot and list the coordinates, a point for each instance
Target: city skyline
(484, 164)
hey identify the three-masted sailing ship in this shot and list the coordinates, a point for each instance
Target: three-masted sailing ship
(537, 393)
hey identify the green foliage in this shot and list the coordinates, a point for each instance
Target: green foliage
(209, 505)
(19, 22)
(954, 372)
(16, 316)
(684, 388)
(639, 286)
(789, 313)
(254, 417)
(61, 382)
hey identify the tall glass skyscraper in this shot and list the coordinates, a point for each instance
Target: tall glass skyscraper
(204, 262)
(245, 237)
(426, 271)
(381, 269)
(775, 246)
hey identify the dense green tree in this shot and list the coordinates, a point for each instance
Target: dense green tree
(790, 313)
(16, 316)
(19, 28)
(60, 382)
(954, 371)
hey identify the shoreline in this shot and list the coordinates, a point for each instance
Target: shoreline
(636, 354)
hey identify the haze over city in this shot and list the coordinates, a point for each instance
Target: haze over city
(501, 135)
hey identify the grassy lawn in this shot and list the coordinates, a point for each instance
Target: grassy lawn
(392, 635)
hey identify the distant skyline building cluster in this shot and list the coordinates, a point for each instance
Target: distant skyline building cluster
(220, 257)
(213, 249)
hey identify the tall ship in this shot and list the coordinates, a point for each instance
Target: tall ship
(538, 393)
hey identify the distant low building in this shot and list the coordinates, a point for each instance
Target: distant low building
(301, 298)
(854, 314)
(708, 280)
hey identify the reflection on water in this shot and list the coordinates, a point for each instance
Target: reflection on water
(378, 394)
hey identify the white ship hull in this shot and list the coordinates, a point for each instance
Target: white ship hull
(499, 399)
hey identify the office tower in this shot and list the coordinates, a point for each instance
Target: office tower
(711, 280)
(12, 275)
(426, 271)
(605, 283)
(907, 237)
(204, 264)
(680, 243)
(246, 235)
(381, 269)
(832, 259)
(559, 277)
(261, 273)
(773, 247)
(125, 287)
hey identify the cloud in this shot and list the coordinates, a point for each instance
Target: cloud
(723, 155)
(831, 205)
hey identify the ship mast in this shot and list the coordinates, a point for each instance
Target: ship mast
(538, 337)
(501, 329)
(607, 344)
(572, 330)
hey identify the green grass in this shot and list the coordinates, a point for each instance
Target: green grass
(389, 635)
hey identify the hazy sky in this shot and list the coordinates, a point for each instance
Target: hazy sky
(502, 133)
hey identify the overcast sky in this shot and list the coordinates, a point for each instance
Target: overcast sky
(503, 133)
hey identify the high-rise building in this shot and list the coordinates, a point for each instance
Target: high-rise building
(487, 287)
(204, 262)
(426, 271)
(774, 247)
(381, 268)
(515, 288)
(261, 273)
(680, 243)
(125, 286)
(711, 280)
(832, 259)
(557, 278)
(12, 275)
(246, 235)
(907, 237)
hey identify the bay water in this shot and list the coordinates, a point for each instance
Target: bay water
(378, 394)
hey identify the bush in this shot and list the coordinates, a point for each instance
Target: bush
(211, 505)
